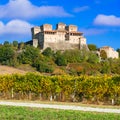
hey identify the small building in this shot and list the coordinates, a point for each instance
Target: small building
(62, 38)
(110, 52)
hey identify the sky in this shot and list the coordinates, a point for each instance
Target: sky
(99, 20)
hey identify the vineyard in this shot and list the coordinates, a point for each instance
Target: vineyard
(88, 89)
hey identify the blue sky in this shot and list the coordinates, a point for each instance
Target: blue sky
(99, 20)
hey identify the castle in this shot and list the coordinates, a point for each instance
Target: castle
(62, 38)
(110, 52)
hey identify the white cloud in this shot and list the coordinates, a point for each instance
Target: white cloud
(1, 26)
(93, 31)
(79, 9)
(24, 9)
(110, 20)
(15, 27)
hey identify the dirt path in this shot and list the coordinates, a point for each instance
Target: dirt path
(64, 107)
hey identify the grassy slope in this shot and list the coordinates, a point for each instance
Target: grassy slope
(9, 70)
(22, 69)
(21, 113)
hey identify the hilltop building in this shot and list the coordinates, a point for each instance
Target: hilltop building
(110, 52)
(62, 38)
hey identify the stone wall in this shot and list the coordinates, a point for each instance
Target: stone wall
(111, 53)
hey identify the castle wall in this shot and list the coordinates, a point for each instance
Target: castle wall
(41, 40)
(35, 43)
(74, 39)
(35, 31)
(60, 36)
(61, 45)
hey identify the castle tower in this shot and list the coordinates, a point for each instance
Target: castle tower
(83, 44)
(35, 35)
(71, 28)
(60, 26)
(35, 31)
(46, 27)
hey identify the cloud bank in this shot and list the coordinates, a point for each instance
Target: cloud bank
(24, 9)
(15, 27)
(105, 20)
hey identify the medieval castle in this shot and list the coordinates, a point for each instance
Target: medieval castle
(63, 38)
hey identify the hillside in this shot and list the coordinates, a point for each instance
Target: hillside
(10, 70)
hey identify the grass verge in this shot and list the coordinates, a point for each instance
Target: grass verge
(23, 113)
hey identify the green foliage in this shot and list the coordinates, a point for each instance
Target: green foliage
(72, 56)
(6, 54)
(105, 69)
(61, 60)
(47, 61)
(21, 46)
(43, 64)
(93, 58)
(6, 43)
(76, 56)
(92, 47)
(29, 54)
(115, 66)
(44, 67)
(48, 52)
(15, 44)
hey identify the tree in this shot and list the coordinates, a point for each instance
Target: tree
(21, 45)
(61, 61)
(6, 54)
(29, 54)
(105, 69)
(92, 47)
(42, 66)
(15, 43)
(6, 43)
(115, 65)
(48, 52)
(93, 58)
(72, 56)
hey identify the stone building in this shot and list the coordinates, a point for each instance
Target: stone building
(110, 52)
(62, 38)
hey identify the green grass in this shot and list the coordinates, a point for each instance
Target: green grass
(23, 113)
